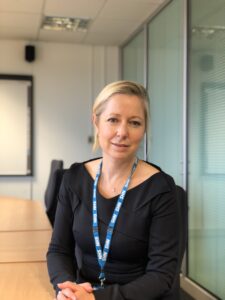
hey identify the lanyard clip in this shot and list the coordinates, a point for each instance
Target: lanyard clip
(102, 282)
(102, 279)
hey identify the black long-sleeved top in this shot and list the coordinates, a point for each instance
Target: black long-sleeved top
(143, 257)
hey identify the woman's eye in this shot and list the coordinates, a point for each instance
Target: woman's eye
(135, 123)
(112, 120)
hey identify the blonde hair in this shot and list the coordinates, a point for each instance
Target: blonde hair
(120, 87)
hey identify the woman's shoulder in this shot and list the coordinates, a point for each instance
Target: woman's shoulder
(154, 184)
(148, 169)
(154, 174)
(84, 167)
(143, 172)
(91, 166)
(78, 174)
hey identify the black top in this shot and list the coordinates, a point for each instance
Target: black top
(143, 257)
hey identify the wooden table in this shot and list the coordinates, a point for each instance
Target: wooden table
(20, 214)
(25, 281)
(25, 233)
(24, 246)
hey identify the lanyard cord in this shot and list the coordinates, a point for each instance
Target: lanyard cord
(103, 254)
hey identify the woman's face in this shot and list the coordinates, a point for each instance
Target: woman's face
(121, 126)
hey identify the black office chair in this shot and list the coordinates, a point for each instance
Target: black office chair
(182, 203)
(183, 209)
(52, 190)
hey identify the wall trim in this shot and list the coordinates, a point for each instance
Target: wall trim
(194, 290)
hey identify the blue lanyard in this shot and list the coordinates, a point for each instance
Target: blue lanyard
(103, 254)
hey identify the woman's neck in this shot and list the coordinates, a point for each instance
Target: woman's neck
(112, 169)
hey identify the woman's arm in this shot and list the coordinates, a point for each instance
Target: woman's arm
(60, 257)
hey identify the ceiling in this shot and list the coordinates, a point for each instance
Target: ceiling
(112, 21)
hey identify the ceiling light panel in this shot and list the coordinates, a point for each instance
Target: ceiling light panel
(65, 23)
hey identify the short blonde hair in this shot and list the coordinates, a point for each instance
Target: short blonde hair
(120, 87)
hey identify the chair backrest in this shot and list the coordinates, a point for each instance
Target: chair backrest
(183, 209)
(51, 193)
(182, 203)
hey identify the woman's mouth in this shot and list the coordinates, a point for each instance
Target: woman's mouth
(120, 145)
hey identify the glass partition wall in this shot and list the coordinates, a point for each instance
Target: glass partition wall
(133, 58)
(165, 79)
(206, 140)
(161, 72)
(133, 68)
(196, 120)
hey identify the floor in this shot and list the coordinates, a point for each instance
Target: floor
(185, 296)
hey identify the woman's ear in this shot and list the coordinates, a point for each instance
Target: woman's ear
(95, 122)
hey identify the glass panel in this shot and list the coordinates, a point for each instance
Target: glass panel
(165, 90)
(133, 59)
(206, 140)
(133, 67)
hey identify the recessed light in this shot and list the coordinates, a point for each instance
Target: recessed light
(65, 23)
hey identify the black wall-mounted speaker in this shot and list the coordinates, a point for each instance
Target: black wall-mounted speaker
(29, 53)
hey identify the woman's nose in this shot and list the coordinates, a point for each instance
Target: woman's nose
(122, 130)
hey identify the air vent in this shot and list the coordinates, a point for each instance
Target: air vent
(65, 23)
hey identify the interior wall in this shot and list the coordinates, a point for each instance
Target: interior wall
(67, 78)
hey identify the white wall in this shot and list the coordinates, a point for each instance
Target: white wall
(67, 78)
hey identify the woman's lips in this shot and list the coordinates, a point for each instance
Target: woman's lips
(120, 145)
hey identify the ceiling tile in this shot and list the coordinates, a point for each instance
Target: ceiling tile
(18, 33)
(109, 26)
(113, 21)
(34, 6)
(126, 10)
(158, 2)
(61, 36)
(78, 8)
(20, 20)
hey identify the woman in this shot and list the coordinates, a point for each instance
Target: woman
(116, 228)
